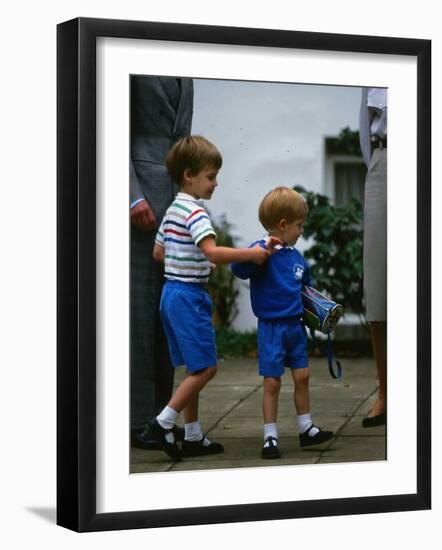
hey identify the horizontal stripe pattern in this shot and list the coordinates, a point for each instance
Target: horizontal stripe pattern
(184, 225)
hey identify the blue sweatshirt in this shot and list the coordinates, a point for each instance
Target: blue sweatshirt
(275, 286)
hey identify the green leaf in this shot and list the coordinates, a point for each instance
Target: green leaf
(335, 255)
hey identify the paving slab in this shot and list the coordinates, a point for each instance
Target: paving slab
(231, 413)
(354, 428)
(238, 427)
(355, 449)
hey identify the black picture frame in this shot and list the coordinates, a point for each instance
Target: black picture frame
(76, 273)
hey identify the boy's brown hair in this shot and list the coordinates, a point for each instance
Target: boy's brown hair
(193, 153)
(282, 202)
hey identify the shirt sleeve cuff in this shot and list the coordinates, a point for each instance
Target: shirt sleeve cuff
(136, 202)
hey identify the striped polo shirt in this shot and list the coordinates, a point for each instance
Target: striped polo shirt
(184, 225)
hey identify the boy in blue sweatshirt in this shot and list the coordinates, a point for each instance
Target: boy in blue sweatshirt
(275, 290)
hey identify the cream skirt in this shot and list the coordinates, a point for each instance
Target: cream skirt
(375, 238)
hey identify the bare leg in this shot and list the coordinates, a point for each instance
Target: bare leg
(186, 395)
(272, 385)
(190, 411)
(379, 342)
(301, 379)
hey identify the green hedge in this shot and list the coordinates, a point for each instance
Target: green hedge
(235, 344)
(335, 254)
(232, 343)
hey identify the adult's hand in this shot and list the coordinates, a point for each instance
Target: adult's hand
(143, 217)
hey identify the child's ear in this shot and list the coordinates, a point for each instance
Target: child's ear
(186, 175)
(282, 223)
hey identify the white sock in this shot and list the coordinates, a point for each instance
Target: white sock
(193, 431)
(270, 430)
(167, 418)
(304, 423)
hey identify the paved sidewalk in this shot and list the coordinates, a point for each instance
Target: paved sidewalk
(230, 412)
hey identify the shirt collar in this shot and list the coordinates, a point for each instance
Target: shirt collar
(186, 197)
(283, 246)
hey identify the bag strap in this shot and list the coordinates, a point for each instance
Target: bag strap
(334, 374)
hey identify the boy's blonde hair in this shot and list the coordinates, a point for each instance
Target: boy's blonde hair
(193, 153)
(282, 202)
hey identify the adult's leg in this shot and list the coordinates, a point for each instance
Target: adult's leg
(379, 341)
(375, 271)
(151, 370)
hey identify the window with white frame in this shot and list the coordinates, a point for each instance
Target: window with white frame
(345, 169)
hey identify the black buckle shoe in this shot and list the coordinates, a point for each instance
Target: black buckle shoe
(306, 440)
(197, 448)
(271, 450)
(166, 439)
(178, 432)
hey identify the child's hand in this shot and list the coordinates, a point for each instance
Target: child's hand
(273, 244)
(259, 255)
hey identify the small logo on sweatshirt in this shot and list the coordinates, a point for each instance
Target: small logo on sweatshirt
(298, 271)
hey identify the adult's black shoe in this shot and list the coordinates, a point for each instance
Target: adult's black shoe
(166, 439)
(372, 421)
(142, 439)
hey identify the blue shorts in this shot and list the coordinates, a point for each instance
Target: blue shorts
(281, 344)
(186, 313)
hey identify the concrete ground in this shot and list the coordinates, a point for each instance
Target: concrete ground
(230, 412)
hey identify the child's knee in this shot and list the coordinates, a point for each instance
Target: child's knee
(301, 377)
(272, 385)
(211, 372)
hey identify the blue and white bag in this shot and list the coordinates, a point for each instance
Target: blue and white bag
(322, 314)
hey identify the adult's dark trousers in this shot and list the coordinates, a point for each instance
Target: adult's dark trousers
(151, 371)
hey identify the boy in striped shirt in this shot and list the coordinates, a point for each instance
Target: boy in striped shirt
(186, 244)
